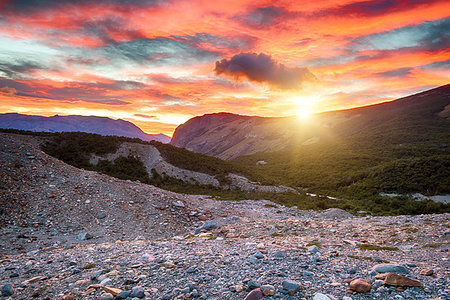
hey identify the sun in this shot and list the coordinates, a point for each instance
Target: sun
(303, 107)
(304, 113)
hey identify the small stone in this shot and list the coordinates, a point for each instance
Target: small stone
(137, 292)
(208, 225)
(313, 249)
(68, 297)
(169, 264)
(178, 204)
(268, 290)
(239, 288)
(106, 281)
(253, 284)
(111, 290)
(7, 290)
(360, 285)
(390, 268)
(123, 295)
(290, 286)
(280, 254)
(260, 246)
(427, 272)
(255, 294)
(399, 280)
(320, 296)
(84, 236)
(259, 255)
(106, 296)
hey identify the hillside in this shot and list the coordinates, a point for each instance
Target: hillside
(68, 233)
(89, 124)
(412, 119)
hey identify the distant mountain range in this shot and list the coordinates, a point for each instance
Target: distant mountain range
(89, 124)
(228, 136)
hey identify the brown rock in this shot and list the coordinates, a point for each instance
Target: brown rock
(68, 297)
(360, 285)
(381, 276)
(399, 280)
(256, 294)
(112, 291)
(427, 272)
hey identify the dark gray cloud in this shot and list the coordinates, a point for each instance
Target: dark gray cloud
(262, 68)
(434, 35)
(18, 69)
(261, 17)
(375, 7)
(27, 6)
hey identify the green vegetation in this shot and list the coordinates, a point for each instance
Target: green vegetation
(376, 248)
(354, 171)
(403, 150)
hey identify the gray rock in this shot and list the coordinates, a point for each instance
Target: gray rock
(313, 249)
(390, 268)
(106, 282)
(259, 255)
(7, 290)
(280, 254)
(123, 295)
(253, 284)
(137, 292)
(178, 204)
(208, 225)
(290, 286)
(84, 236)
(106, 296)
(252, 259)
(320, 296)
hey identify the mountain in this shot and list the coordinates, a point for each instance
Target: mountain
(228, 136)
(89, 124)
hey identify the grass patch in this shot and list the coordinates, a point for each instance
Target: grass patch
(314, 243)
(376, 248)
(434, 245)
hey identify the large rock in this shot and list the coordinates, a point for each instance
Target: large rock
(208, 225)
(390, 268)
(399, 280)
(255, 294)
(360, 285)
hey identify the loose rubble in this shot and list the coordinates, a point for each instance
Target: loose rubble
(143, 244)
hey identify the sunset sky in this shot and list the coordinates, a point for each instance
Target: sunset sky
(158, 63)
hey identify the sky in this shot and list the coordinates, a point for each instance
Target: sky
(159, 63)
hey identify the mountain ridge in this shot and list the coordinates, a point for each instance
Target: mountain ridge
(228, 136)
(74, 123)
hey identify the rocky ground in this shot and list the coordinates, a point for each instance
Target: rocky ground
(74, 234)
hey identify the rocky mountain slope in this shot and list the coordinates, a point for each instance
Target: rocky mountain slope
(89, 124)
(68, 233)
(228, 136)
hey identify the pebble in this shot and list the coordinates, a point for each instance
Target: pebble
(268, 290)
(426, 272)
(7, 290)
(255, 294)
(106, 296)
(290, 286)
(139, 292)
